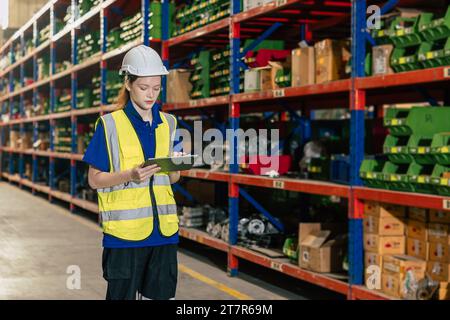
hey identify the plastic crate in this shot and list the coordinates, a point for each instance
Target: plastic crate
(404, 32)
(437, 28)
(441, 184)
(435, 54)
(395, 120)
(440, 148)
(406, 59)
(371, 172)
(340, 169)
(420, 149)
(421, 178)
(396, 148)
(424, 121)
(396, 176)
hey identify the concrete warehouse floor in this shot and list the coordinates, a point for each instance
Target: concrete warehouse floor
(39, 242)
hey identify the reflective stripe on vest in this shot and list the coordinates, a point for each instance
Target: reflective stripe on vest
(126, 209)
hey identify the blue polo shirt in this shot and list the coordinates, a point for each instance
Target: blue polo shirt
(97, 156)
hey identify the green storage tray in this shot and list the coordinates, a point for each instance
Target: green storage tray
(395, 121)
(371, 172)
(436, 28)
(421, 178)
(406, 59)
(396, 176)
(404, 32)
(424, 121)
(382, 36)
(435, 54)
(420, 149)
(396, 148)
(441, 184)
(440, 148)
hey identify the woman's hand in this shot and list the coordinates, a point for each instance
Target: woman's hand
(140, 174)
(174, 176)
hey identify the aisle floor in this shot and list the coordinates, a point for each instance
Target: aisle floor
(42, 245)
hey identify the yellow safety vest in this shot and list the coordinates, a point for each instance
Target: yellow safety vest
(126, 209)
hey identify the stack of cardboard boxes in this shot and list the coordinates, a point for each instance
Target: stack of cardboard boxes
(324, 62)
(405, 250)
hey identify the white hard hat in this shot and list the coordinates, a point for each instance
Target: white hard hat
(142, 61)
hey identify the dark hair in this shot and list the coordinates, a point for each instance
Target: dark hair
(124, 95)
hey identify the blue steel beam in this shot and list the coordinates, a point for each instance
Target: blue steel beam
(261, 38)
(355, 246)
(145, 13)
(178, 188)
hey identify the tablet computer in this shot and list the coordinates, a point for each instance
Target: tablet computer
(173, 163)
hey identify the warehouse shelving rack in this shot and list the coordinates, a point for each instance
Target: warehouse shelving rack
(357, 92)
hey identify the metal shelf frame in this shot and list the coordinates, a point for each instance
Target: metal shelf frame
(356, 91)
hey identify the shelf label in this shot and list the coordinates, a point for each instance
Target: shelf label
(394, 122)
(278, 93)
(447, 72)
(446, 204)
(280, 2)
(444, 182)
(276, 266)
(278, 184)
(444, 150)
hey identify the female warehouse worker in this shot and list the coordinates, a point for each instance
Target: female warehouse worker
(137, 206)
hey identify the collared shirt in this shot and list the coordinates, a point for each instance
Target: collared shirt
(97, 156)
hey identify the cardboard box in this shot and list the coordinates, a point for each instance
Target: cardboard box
(401, 273)
(275, 66)
(440, 216)
(372, 258)
(438, 232)
(416, 248)
(329, 61)
(438, 252)
(438, 271)
(444, 294)
(321, 253)
(384, 244)
(418, 214)
(417, 230)
(401, 264)
(26, 141)
(258, 79)
(384, 226)
(178, 86)
(381, 59)
(303, 70)
(14, 138)
(390, 284)
(383, 210)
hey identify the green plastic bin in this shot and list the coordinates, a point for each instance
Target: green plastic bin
(441, 184)
(395, 121)
(396, 176)
(420, 149)
(404, 32)
(396, 148)
(440, 148)
(436, 54)
(406, 59)
(421, 179)
(436, 28)
(371, 172)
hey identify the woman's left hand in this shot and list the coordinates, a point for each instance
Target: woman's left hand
(174, 176)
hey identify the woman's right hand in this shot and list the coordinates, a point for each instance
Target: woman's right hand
(140, 174)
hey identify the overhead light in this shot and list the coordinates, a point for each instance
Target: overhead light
(4, 14)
